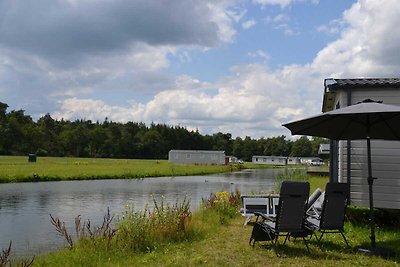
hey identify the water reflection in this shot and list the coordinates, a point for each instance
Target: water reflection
(25, 207)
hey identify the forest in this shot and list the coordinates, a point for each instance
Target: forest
(21, 135)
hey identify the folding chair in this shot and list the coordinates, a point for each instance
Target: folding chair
(290, 217)
(331, 218)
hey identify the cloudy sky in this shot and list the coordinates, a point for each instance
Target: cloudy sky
(243, 67)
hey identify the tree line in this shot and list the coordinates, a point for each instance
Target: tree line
(20, 135)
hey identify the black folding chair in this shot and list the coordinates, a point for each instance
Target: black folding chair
(331, 218)
(290, 217)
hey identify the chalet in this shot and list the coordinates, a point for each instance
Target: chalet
(196, 156)
(349, 159)
(272, 160)
(312, 161)
(324, 149)
(293, 161)
(231, 159)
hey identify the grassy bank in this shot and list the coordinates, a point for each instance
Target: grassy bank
(216, 237)
(18, 169)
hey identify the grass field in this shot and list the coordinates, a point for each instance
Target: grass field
(18, 169)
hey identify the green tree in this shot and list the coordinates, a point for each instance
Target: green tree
(301, 147)
(277, 146)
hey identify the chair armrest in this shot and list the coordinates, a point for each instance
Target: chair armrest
(264, 217)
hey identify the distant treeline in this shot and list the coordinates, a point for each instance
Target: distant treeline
(20, 135)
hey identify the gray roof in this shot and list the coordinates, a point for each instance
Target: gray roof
(334, 84)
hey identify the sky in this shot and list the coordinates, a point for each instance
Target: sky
(243, 67)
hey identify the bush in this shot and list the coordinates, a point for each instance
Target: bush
(226, 204)
(383, 217)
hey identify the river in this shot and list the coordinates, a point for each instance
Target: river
(25, 207)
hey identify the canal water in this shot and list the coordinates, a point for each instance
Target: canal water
(25, 208)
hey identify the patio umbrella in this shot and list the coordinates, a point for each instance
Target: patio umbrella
(366, 120)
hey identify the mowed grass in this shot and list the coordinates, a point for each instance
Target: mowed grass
(227, 245)
(18, 169)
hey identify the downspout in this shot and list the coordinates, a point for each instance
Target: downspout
(349, 148)
(333, 156)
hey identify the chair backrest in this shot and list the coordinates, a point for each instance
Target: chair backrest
(334, 206)
(291, 212)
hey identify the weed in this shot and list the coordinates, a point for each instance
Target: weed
(226, 204)
(5, 258)
(97, 235)
(146, 230)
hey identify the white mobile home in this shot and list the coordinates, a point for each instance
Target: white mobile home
(324, 149)
(273, 160)
(231, 159)
(312, 161)
(196, 156)
(293, 161)
(349, 158)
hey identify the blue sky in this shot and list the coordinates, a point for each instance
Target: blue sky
(243, 67)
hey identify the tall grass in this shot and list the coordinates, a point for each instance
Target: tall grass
(290, 175)
(148, 229)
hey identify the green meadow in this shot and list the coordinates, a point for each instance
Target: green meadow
(18, 169)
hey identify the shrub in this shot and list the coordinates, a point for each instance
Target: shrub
(226, 204)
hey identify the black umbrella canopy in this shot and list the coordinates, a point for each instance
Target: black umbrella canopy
(360, 121)
(366, 120)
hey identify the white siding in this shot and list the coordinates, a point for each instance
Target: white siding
(196, 156)
(385, 157)
(272, 160)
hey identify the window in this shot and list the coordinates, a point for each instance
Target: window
(188, 156)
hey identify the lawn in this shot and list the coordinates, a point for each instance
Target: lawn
(18, 169)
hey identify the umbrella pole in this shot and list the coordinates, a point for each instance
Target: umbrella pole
(373, 249)
(371, 199)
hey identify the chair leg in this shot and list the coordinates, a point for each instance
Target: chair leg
(286, 238)
(248, 219)
(320, 238)
(345, 240)
(305, 243)
(274, 245)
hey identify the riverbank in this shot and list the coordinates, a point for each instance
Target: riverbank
(18, 169)
(226, 244)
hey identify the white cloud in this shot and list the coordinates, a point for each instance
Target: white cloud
(283, 3)
(248, 24)
(281, 22)
(333, 27)
(259, 54)
(77, 48)
(367, 46)
(253, 100)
